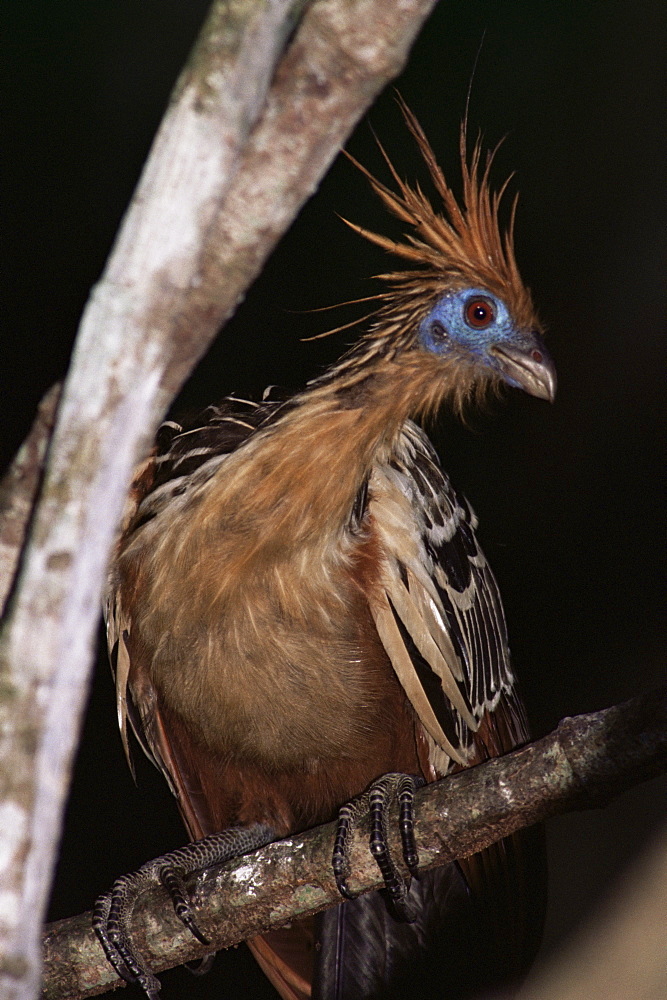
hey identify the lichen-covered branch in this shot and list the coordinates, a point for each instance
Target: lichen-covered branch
(258, 114)
(585, 762)
(18, 491)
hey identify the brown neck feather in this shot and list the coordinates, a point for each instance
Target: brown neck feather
(296, 482)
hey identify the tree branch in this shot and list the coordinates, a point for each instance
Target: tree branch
(584, 763)
(18, 491)
(241, 146)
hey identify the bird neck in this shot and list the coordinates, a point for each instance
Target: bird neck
(298, 479)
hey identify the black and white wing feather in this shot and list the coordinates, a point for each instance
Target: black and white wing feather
(439, 613)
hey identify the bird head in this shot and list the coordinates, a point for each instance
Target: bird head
(463, 303)
(476, 326)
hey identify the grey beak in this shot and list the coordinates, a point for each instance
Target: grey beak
(530, 367)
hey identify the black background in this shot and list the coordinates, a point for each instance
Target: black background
(567, 495)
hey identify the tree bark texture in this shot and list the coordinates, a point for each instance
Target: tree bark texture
(18, 491)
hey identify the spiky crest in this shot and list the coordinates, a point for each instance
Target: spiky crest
(462, 247)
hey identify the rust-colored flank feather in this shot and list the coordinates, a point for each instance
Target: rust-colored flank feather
(299, 603)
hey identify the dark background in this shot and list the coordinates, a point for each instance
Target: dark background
(567, 495)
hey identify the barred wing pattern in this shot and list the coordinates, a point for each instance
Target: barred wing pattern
(186, 457)
(439, 616)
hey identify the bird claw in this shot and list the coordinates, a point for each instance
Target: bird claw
(378, 799)
(111, 918)
(173, 881)
(113, 910)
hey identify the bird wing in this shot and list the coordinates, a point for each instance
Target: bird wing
(438, 610)
(183, 458)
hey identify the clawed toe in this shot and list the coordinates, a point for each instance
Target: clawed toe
(173, 881)
(113, 910)
(378, 799)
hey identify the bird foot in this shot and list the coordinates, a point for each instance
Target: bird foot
(377, 800)
(113, 910)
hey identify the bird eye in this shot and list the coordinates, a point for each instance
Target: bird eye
(479, 313)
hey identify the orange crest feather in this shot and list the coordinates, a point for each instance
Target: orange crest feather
(464, 246)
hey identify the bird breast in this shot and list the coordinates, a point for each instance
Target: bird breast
(272, 665)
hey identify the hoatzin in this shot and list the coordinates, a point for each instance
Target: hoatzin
(299, 607)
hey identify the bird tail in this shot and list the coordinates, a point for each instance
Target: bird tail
(365, 954)
(477, 928)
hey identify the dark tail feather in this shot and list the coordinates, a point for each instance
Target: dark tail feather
(478, 928)
(365, 954)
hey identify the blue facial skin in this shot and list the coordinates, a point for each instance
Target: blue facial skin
(446, 327)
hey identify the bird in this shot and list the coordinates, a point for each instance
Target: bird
(300, 615)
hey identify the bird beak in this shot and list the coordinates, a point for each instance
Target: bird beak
(530, 367)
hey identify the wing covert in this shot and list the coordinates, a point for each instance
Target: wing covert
(439, 613)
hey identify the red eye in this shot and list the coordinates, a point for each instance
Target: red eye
(479, 313)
